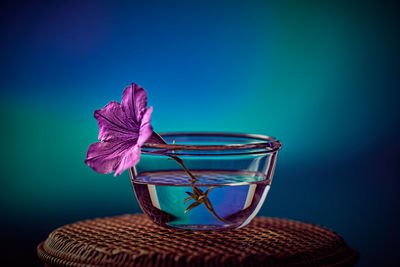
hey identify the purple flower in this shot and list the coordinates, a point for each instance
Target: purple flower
(123, 129)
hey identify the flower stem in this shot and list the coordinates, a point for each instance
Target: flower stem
(180, 162)
(156, 138)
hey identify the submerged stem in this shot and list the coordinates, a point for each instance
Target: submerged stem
(206, 201)
(217, 216)
(196, 191)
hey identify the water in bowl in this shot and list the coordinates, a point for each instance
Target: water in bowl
(216, 200)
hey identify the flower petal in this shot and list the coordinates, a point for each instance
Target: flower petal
(123, 129)
(134, 102)
(130, 159)
(114, 124)
(145, 128)
(105, 157)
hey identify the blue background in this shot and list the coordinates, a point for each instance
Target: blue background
(321, 76)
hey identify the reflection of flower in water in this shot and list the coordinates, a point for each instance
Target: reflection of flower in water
(201, 197)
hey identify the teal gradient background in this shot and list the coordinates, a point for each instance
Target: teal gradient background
(323, 77)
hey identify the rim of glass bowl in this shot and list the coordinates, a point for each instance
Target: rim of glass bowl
(262, 145)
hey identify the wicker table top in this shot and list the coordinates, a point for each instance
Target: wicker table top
(133, 240)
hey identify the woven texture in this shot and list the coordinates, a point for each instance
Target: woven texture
(134, 240)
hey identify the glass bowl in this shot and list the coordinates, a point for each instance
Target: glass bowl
(205, 181)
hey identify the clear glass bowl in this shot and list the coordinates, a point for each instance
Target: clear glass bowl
(225, 183)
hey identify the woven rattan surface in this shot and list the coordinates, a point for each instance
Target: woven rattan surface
(134, 240)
